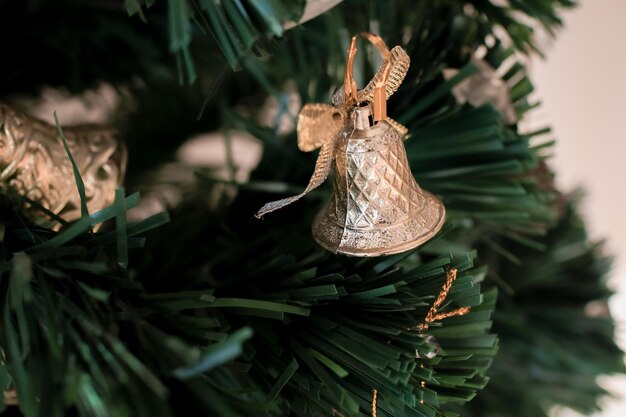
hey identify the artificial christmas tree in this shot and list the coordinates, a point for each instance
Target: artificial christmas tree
(208, 311)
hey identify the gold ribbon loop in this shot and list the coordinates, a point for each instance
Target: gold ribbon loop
(399, 63)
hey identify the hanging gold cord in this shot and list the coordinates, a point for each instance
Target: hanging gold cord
(349, 82)
(433, 315)
(374, 395)
(380, 93)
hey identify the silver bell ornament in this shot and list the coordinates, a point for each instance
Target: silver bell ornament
(376, 208)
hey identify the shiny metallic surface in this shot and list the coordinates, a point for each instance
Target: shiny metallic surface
(400, 63)
(362, 117)
(377, 208)
(319, 124)
(34, 164)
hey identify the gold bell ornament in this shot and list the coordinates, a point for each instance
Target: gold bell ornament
(35, 165)
(376, 208)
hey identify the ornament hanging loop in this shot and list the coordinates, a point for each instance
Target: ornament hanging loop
(380, 93)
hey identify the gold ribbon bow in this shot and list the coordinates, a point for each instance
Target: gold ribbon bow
(320, 125)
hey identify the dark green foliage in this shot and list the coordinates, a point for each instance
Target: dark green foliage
(243, 26)
(74, 45)
(326, 330)
(507, 16)
(351, 330)
(557, 335)
(79, 43)
(73, 331)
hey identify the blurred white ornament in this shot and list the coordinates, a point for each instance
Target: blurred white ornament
(94, 106)
(312, 9)
(228, 158)
(486, 86)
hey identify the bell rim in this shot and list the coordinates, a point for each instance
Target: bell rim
(434, 227)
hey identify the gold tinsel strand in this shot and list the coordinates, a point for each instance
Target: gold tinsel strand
(433, 315)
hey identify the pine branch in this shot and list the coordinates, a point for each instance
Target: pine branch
(353, 327)
(557, 334)
(326, 329)
(66, 320)
(239, 27)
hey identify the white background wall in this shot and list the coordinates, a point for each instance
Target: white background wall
(582, 85)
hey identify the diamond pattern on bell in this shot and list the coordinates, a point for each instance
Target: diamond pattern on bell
(378, 185)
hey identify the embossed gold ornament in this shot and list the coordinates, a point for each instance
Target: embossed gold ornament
(377, 208)
(35, 165)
